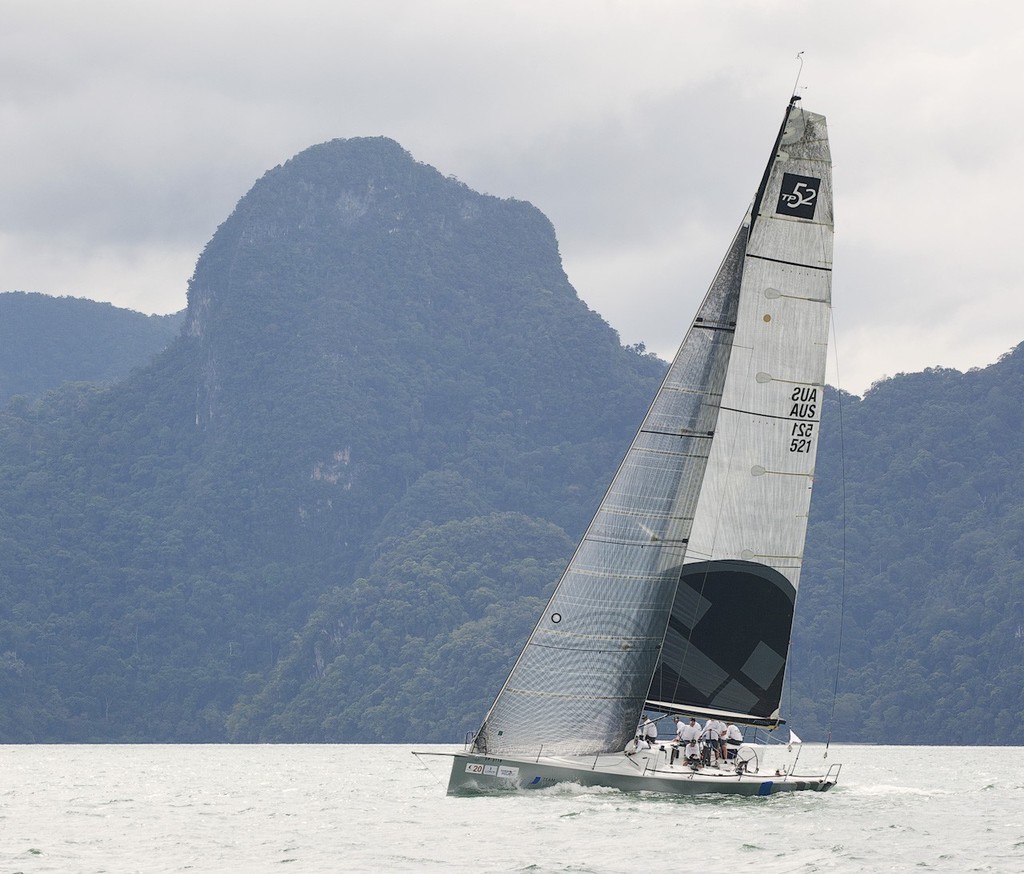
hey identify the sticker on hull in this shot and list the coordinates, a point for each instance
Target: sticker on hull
(503, 771)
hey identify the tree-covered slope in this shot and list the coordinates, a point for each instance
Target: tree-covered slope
(400, 654)
(46, 341)
(933, 500)
(370, 348)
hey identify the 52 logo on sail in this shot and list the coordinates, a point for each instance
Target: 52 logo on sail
(798, 196)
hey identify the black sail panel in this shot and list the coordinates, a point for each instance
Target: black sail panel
(728, 637)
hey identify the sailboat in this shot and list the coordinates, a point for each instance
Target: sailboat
(679, 599)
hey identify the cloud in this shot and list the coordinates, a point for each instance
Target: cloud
(640, 127)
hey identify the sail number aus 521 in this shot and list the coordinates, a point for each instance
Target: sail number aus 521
(804, 405)
(800, 437)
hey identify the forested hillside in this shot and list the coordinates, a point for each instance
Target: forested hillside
(330, 510)
(933, 642)
(46, 341)
(373, 353)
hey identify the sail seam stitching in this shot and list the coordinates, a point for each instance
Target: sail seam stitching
(791, 264)
(769, 415)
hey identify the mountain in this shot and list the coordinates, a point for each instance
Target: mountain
(46, 341)
(375, 359)
(331, 508)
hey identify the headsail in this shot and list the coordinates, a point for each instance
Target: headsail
(581, 680)
(679, 532)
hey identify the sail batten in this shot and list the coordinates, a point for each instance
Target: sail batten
(682, 589)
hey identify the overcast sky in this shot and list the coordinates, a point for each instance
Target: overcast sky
(130, 129)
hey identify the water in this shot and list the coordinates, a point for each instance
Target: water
(118, 809)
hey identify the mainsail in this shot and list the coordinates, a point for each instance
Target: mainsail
(688, 571)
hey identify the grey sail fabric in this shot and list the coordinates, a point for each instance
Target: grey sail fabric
(728, 638)
(707, 512)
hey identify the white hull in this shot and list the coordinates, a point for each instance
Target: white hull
(641, 772)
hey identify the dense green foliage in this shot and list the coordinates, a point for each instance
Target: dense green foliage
(369, 349)
(46, 341)
(331, 508)
(933, 640)
(404, 647)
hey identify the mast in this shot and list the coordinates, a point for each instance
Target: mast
(759, 196)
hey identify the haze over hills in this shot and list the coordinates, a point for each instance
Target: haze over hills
(338, 498)
(45, 341)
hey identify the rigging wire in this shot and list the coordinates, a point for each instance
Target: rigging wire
(426, 767)
(842, 575)
(800, 69)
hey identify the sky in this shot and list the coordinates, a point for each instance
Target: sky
(129, 130)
